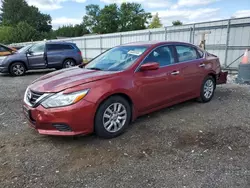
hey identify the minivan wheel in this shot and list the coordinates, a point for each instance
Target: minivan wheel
(112, 117)
(68, 63)
(17, 69)
(207, 89)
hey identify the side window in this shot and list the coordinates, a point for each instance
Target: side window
(186, 53)
(162, 55)
(38, 48)
(67, 47)
(58, 47)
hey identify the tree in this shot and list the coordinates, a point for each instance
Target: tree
(91, 19)
(15, 11)
(6, 34)
(133, 17)
(71, 31)
(156, 22)
(24, 32)
(177, 23)
(127, 17)
(109, 19)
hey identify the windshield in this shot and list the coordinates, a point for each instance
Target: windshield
(117, 59)
(24, 49)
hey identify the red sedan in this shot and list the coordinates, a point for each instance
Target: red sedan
(118, 86)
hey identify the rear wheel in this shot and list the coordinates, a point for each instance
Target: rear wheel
(17, 69)
(207, 89)
(112, 117)
(68, 63)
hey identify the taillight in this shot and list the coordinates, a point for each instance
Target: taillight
(80, 53)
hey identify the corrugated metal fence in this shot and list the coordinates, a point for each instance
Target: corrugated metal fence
(228, 38)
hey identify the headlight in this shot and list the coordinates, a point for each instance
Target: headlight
(2, 59)
(60, 99)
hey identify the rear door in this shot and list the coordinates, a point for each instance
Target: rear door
(191, 68)
(56, 54)
(36, 56)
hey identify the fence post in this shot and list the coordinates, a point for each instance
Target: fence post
(149, 35)
(190, 35)
(101, 44)
(193, 33)
(85, 50)
(120, 39)
(227, 42)
(166, 37)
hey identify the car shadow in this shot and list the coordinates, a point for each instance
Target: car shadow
(31, 72)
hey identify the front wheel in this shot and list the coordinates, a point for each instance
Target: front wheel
(207, 89)
(17, 69)
(112, 117)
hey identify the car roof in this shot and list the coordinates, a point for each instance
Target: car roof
(59, 42)
(155, 43)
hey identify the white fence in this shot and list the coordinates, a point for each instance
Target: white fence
(228, 38)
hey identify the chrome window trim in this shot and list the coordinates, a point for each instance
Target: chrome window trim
(176, 63)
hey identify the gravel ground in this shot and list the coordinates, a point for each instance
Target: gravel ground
(187, 145)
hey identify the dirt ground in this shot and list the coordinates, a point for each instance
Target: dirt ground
(188, 145)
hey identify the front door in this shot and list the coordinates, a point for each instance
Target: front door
(36, 56)
(156, 88)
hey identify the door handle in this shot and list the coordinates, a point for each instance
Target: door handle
(175, 73)
(202, 65)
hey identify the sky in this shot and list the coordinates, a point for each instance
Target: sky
(64, 12)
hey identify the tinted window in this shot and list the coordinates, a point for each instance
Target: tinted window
(161, 55)
(57, 47)
(37, 48)
(186, 53)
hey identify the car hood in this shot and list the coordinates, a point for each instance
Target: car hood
(67, 78)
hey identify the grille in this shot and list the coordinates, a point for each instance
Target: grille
(34, 96)
(62, 127)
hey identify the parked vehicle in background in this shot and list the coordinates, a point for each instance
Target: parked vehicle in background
(4, 50)
(41, 55)
(118, 86)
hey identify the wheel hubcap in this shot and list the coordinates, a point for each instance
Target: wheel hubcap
(18, 69)
(69, 64)
(208, 88)
(114, 117)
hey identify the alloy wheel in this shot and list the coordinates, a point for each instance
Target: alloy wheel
(18, 69)
(208, 89)
(114, 117)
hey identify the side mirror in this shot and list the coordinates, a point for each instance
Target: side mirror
(150, 66)
(29, 52)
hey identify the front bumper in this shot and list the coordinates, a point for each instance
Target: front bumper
(4, 70)
(72, 120)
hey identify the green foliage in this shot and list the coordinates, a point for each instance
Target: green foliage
(156, 22)
(6, 34)
(71, 31)
(177, 22)
(20, 22)
(132, 17)
(15, 11)
(110, 19)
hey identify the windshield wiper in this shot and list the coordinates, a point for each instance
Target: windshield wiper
(94, 68)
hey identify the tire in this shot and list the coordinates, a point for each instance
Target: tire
(68, 63)
(106, 123)
(207, 89)
(17, 69)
